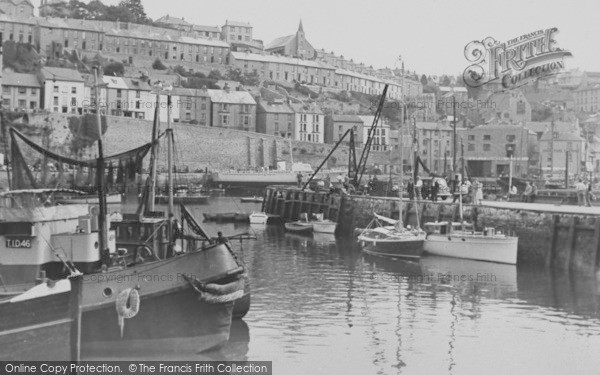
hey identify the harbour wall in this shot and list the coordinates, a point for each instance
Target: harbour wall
(199, 147)
(561, 241)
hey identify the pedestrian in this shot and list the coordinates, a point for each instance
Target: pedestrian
(534, 192)
(581, 192)
(299, 178)
(588, 195)
(526, 192)
(418, 188)
(435, 188)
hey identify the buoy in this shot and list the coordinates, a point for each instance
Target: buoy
(127, 305)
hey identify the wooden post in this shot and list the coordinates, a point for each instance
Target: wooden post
(552, 255)
(597, 242)
(571, 238)
(75, 316)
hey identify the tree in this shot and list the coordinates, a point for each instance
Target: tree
(136, 10)
(215, 74)
(424, 80)
(114, 69)
(198, 83)
(445, 80)
(158, 65)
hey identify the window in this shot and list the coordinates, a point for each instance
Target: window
(33, 91)
(22, 103)
(119, 91)
(471, 138)
(246, 120)
(55, 100)
(55, 88)
(224, 119)
(137, 94)
(511, 138)
(6, 102)
(73, 102)
(73, 90)
(138, 104)
(6, 89)
(487, 147)
(487, 137)
(224, 107)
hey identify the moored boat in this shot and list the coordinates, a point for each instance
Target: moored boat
(42, 323)
(460, 240)
(321, 225)
(258, 218)
(299, 227)
(253, 199)
(393, 240)
(228, 217)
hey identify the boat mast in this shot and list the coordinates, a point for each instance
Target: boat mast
(153, 153)
(401, 185)
(169, 134)
(102, 225)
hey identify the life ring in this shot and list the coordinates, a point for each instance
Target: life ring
(132, 296)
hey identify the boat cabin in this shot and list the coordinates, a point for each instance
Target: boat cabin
(141, 238)
(447, 227)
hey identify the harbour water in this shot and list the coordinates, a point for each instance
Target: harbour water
(321, 307)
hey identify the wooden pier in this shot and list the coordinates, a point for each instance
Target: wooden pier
(564, 237)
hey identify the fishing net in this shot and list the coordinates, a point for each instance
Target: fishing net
(34, 166)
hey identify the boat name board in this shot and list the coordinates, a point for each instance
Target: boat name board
(18, 242)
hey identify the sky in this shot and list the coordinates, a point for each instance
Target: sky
(429, 35)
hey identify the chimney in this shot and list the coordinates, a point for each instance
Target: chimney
(226, 88)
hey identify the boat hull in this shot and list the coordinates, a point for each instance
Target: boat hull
(158, 283)
(39, 329)
(166, 324)
(298, 228)
(324, 227)
(411, 249)
(500, 250)
(200, 199)
(258, 218)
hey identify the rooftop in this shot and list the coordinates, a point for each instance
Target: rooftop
(346, 118)
(561, 136)
(274, 107)
(234, 97)
(237, 23)
(20, 79)
(61, 74)
(245, 56)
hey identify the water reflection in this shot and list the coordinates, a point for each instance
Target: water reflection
(321, 307)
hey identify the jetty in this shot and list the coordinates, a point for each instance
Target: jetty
(559, 236)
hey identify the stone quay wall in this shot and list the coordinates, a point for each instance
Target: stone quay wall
(563, 241)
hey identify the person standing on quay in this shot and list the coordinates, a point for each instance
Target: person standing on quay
(581, 192)
(418, 187)
(588, 194)
(435, 188)
(410, 187)
(526, 192)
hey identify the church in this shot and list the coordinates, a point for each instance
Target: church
(292, 45)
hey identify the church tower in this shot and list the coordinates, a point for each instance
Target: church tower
(300, 41)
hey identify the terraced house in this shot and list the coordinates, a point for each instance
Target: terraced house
(232, 109)
(20, 91)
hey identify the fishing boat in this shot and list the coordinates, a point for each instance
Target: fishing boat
(182, 194)
(460, 240)
(253, 199)
(258, 218)
(388, 238)
(227, 217)
(90, 199)
(147, 266)
(42, 323)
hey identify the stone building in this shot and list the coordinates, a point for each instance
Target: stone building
(17, 8)
(20, 91)
(193, 105)
(232, 109)
(553, 154)
(434, 143)
(488, 149)
(276, 118)
(337, 125)
(294, 45)
(381, 138)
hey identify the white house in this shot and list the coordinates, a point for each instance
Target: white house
(63, 90)
(309, 124)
